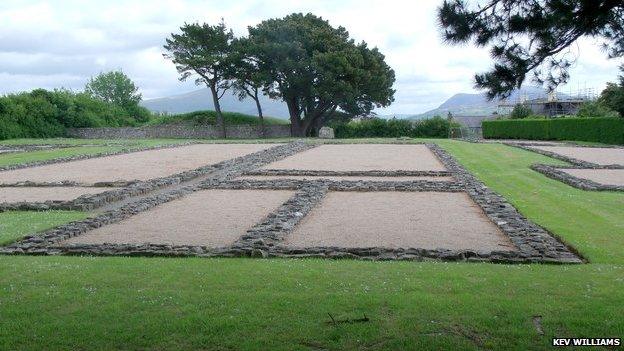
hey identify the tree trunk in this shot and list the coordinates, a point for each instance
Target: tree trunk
(217, 106)
(262, 129)
(296, 128)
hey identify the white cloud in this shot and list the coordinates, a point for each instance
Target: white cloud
(64, 42)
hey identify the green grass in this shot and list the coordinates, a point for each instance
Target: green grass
(15, 225)
(210, 117)
(172, 303)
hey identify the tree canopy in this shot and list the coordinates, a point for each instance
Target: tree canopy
(613, 95)
(114, 87)
(203, 50)
(531, 36)
(317, 69)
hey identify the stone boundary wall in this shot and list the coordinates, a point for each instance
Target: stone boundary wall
(181, 131)
(574, 161)
(534, 244)
(576, 182)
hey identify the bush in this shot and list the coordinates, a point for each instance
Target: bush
(596, 109)
(42, 114)
(520, 112)
(603, 130)
(197, 118)
(436, 127)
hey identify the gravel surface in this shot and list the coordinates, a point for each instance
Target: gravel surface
(212, 218)
(600, 176)
(398, 220)
(348, 178)
(42, 194)
(597, 155)
(362, 157)
(141, 165)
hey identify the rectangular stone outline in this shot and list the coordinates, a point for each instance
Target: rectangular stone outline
(573, 181)
(533, 242)
(128, 189)
(574, 161)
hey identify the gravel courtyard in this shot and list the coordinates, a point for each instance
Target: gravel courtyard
(597, 155)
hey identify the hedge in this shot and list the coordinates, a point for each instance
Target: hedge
(602, 130)
(381, 128)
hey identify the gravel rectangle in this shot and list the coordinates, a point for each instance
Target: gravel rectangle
(141, 165)
(425, 220)
(597, 155)
(213, 218)
(600, 176)
(348, 178)
(43, 194)
(362, 157)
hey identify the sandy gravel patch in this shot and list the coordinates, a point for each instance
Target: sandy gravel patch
(212, 218)
(399, 220)
(362, 157)
(348, 178)
(600, 176)
(597, 155)
(42, 194)
(141, 165)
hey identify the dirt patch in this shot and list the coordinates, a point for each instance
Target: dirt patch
(212, 218)
(399, 220)
(141, 165)
(597, 155)
(600, 176)
(42, 194)
(362, 157)
(348, 178)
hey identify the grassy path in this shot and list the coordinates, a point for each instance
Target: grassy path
(168, 303)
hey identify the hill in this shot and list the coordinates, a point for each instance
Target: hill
(463, 104)
(202, 100)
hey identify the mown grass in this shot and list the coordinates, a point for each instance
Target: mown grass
(15, 225)
(173, 303)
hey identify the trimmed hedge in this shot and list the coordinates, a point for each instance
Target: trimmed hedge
(436, 127)
(602, 130)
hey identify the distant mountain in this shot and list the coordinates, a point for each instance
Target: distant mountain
(202, 100)
(478, 105)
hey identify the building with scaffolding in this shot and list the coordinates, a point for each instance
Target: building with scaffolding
(552, 105)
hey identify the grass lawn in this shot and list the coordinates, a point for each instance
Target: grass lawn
(15, 225)
(173, 303)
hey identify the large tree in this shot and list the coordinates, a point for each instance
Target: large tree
(531, 36)
(114, 87)
(246, 79)
(317, 69)
(203, 50)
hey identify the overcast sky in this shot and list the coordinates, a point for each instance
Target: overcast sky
(57, 43)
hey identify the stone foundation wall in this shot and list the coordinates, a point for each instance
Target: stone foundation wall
(180, 131)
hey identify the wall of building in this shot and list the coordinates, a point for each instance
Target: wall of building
(180, 131)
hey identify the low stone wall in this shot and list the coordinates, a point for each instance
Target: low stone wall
(180, 131)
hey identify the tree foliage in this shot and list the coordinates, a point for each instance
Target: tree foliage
(531, 36)
(317, 69)
(613, 95)
(520, 111)
(42, 113)
(204, 51)
(114, 87)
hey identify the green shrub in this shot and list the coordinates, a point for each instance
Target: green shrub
(596, 109)
(42, 113)
(520, 112)
(436, 127)
(210, 117)
(604, 130)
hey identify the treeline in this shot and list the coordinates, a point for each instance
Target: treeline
(42, 113)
